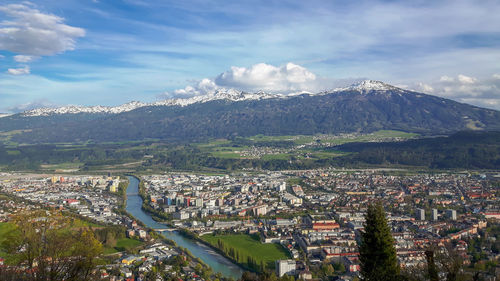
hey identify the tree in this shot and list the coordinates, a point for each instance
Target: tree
(377, 254)
(431, 266)
(49, 249)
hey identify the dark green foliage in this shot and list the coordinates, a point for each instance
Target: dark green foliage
(473, 150)
(250, 276)
(376, 251)
(470, 150)
(431, 266)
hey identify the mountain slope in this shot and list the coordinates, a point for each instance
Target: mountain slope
(366, 107)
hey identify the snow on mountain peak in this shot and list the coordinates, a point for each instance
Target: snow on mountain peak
(73, 109)
(368, 86)
(219, 94)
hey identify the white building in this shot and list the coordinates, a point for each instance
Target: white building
(285, 267)
(281, 187)
(451, 214)
(420, 214)
(181, 215)
(434, 214)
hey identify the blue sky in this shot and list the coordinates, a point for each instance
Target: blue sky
(111, 52)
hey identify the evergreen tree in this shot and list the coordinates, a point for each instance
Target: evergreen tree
(376, 252)
(431, 266)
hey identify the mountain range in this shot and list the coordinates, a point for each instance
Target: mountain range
(363, 107)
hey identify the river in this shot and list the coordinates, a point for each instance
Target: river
(217, 262)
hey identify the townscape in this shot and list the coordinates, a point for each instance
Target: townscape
(249, 140)
(312, 217)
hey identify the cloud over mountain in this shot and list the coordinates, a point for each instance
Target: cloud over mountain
(285, 79)
(41, 103)
(266, 77)
(484, 92)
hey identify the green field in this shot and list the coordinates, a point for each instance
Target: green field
(248, 245)
(124, 244)
(5, 228)
(302, 139)
(279, 156)
(79, 223)
(222, 148)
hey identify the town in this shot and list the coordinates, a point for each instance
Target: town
(314, 217)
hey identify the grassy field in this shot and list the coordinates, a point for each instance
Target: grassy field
(279, 156)
(62, 166)
(250, 246)
(79, 223)
(5, 228)
(222, 148)
(121, 245)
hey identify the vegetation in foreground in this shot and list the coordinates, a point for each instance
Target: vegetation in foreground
(377, 254)
(47, 249)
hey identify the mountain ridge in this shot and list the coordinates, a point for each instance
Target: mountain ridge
(219, 94)
(364, 108)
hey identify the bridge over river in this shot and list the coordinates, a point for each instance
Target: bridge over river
(217, 262)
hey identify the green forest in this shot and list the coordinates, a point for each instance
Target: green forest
(463, 150)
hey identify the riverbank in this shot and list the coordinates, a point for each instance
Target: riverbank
(217, 262)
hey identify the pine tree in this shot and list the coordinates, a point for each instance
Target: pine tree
(431, 266)
(376, 251)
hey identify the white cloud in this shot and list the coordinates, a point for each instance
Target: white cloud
(426, 88)
(204, 86)
(289, 78)
(40, 103)
(19, 71)
(446, 79)
(23, 58)
(484, 92)
(466, 79)
(31, 32)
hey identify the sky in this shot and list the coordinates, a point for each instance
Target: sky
(110, 52)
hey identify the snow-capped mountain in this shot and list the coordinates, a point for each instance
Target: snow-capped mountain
(367, 86)
(219, 94)
(366, 106)
(73, 109)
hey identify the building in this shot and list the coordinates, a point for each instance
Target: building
(198, 202)
(142, 233)
(260, 210)
(181, 215)
(113, 187)
(285, 267)
(420, 214)
(325, 226)
(434, 214)
(451, 214)
(281, 187)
